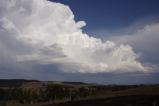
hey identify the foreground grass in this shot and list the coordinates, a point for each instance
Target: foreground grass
(142, 96)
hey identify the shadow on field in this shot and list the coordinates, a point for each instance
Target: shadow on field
(138, 100)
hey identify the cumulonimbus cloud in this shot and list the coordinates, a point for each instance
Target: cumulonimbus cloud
(46, 32)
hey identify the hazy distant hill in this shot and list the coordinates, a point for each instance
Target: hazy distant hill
(35, 83)
(14, 82)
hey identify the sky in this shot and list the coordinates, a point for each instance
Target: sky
(97, 41)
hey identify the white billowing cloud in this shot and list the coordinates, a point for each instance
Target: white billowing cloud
(145, 41)
(146, 38)
(46, 32)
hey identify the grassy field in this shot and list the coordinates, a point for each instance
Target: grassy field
(39, 93)
(142, 96)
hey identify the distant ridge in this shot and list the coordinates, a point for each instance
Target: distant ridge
(22, 82)
(14, 82)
